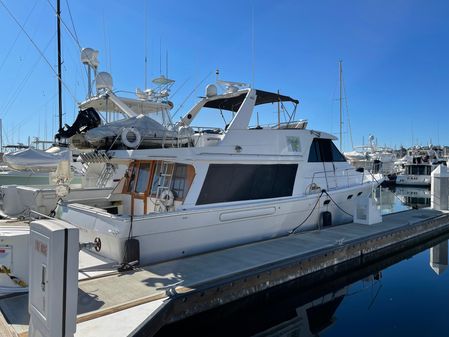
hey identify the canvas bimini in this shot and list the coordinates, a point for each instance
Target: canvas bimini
(227, 186)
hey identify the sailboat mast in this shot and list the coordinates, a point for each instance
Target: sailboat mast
(58, 18)
(341, 101)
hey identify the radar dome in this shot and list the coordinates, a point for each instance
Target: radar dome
(89, 56)
(103, 80)
(211, 90)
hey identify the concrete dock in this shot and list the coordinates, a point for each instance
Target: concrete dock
(152, 296)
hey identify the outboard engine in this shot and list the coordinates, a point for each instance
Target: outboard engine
(87, 119)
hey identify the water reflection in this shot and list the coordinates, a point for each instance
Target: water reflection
(390, 296)
(439, 258)
(399, 198)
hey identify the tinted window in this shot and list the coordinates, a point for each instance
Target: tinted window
(142, 179)
(314, 154)
(132, 178)
(179, 180)
(324, 150)
(236, 182)
(336, 154)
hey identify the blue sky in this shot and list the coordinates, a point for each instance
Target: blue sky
(395, 59)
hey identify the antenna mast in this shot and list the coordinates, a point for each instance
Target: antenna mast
(279, 111)
(58, 17)
(252, 48)
(146, 46)
(341, 99)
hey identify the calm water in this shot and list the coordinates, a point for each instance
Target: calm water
(403, 295)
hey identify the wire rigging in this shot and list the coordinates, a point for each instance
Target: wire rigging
(73, 24)
(347, 112)
(191, 93)
(38, 49)
(17, 37)
(74, 37)
(6, 107)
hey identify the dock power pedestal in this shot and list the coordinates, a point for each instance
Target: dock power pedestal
(53, 282)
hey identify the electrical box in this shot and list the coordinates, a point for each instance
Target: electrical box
(367, 212)
(53, 279)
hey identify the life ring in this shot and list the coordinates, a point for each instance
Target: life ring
(136, 137)
(167, 198)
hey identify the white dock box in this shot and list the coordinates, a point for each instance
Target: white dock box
(53, 284)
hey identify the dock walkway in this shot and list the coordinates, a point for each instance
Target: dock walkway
(169, 291)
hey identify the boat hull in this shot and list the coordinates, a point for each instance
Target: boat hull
(165, 236)
(413, 180)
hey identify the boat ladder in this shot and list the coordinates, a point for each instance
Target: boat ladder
(163, 192)
(93, 157)
(105, 175)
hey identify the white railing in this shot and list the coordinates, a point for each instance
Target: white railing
(344, 178)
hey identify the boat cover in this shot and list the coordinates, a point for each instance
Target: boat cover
(147, 127)
(35, 159)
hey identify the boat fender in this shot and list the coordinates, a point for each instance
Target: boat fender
(132, 251)
(167, 198)
(136, 137)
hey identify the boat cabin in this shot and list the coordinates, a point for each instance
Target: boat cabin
(154, 186)
(419, 169)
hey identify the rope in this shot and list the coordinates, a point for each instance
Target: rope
(341, 209)
(308, 216)
(15, 279)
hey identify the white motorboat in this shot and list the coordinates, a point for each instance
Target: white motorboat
(417, 167)
(374, 159)
(226, 187)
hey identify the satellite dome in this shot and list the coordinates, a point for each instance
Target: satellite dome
(89, 56)
(103, 80)
(211, 90)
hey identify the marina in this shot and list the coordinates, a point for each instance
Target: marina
(227, 196)
(179, 289)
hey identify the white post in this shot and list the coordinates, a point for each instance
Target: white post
(439, 188)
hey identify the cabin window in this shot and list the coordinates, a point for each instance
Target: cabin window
(237, 182)
(155, 182)
(132, 178)
(314, 154)
(182, 178)
(138, 178)
(142, 179)
(336, 154)
(324, 150)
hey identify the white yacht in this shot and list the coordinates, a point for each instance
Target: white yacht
(417, 166)
(224, 187)
(374, 159)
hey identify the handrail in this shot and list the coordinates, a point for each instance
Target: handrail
(345, 171)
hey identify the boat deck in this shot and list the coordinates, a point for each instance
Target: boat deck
(193, 284)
